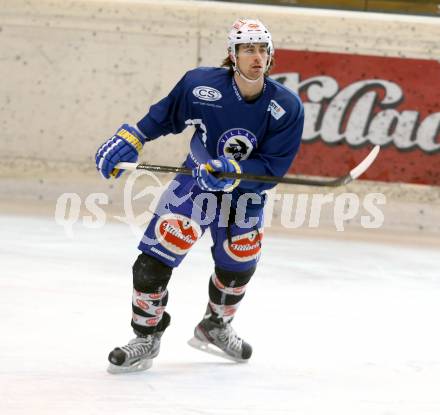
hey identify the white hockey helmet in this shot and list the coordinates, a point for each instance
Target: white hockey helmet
(249, 31)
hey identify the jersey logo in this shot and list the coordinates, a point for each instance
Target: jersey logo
(206, 93)
(236, 143)
(276, 109)
(244, 247)
(177, 233)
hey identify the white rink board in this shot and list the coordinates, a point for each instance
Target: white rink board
(77, 70)
(337, 328)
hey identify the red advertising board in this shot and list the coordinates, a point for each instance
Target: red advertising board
(352, 102)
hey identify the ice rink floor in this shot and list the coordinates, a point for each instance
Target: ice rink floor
(343, 328)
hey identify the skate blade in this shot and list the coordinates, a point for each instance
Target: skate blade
(137, 367)
(212, 349)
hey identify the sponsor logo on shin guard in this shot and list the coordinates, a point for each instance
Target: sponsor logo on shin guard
(157, 310)
(227, 290)
(152, 321)
(142, 304)
(146, 321)
(177, 233)
(224, 310)
(149, 296)
(229, 310)
(149, 302)
(244, 247)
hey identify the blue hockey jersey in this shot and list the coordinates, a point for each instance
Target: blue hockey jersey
(263, 135)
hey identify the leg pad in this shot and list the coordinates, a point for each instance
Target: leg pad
(150, 275)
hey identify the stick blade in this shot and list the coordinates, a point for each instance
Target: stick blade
(365, 163)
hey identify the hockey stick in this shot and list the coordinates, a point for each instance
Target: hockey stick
(340, 181)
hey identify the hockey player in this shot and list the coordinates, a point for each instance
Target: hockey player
(244, 123)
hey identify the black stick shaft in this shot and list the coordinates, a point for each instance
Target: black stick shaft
(249, 177)
(339, 181)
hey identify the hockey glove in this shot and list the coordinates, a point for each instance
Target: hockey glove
(208, 181)
(125, 145)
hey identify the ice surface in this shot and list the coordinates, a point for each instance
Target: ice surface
(346, 328)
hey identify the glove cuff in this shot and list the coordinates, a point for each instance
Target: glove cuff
(129, 135)
(236, 182)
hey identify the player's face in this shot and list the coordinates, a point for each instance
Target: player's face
(252, 59)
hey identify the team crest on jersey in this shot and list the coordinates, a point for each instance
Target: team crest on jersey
(236, 143)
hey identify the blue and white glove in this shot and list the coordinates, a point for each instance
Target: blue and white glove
(209, 182)
(125, 146)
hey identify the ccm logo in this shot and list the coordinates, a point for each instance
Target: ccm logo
(207, 93)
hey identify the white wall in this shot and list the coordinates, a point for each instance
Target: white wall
(72, 71)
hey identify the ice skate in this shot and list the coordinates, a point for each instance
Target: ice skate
(137, 355)
(220, 339)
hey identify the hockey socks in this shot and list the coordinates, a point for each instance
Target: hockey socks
(226, 290)
(150, 296)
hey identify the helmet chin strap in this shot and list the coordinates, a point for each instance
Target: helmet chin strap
(251, 81)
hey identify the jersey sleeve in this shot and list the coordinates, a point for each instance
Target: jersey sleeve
(275, 154)
(168, 115)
